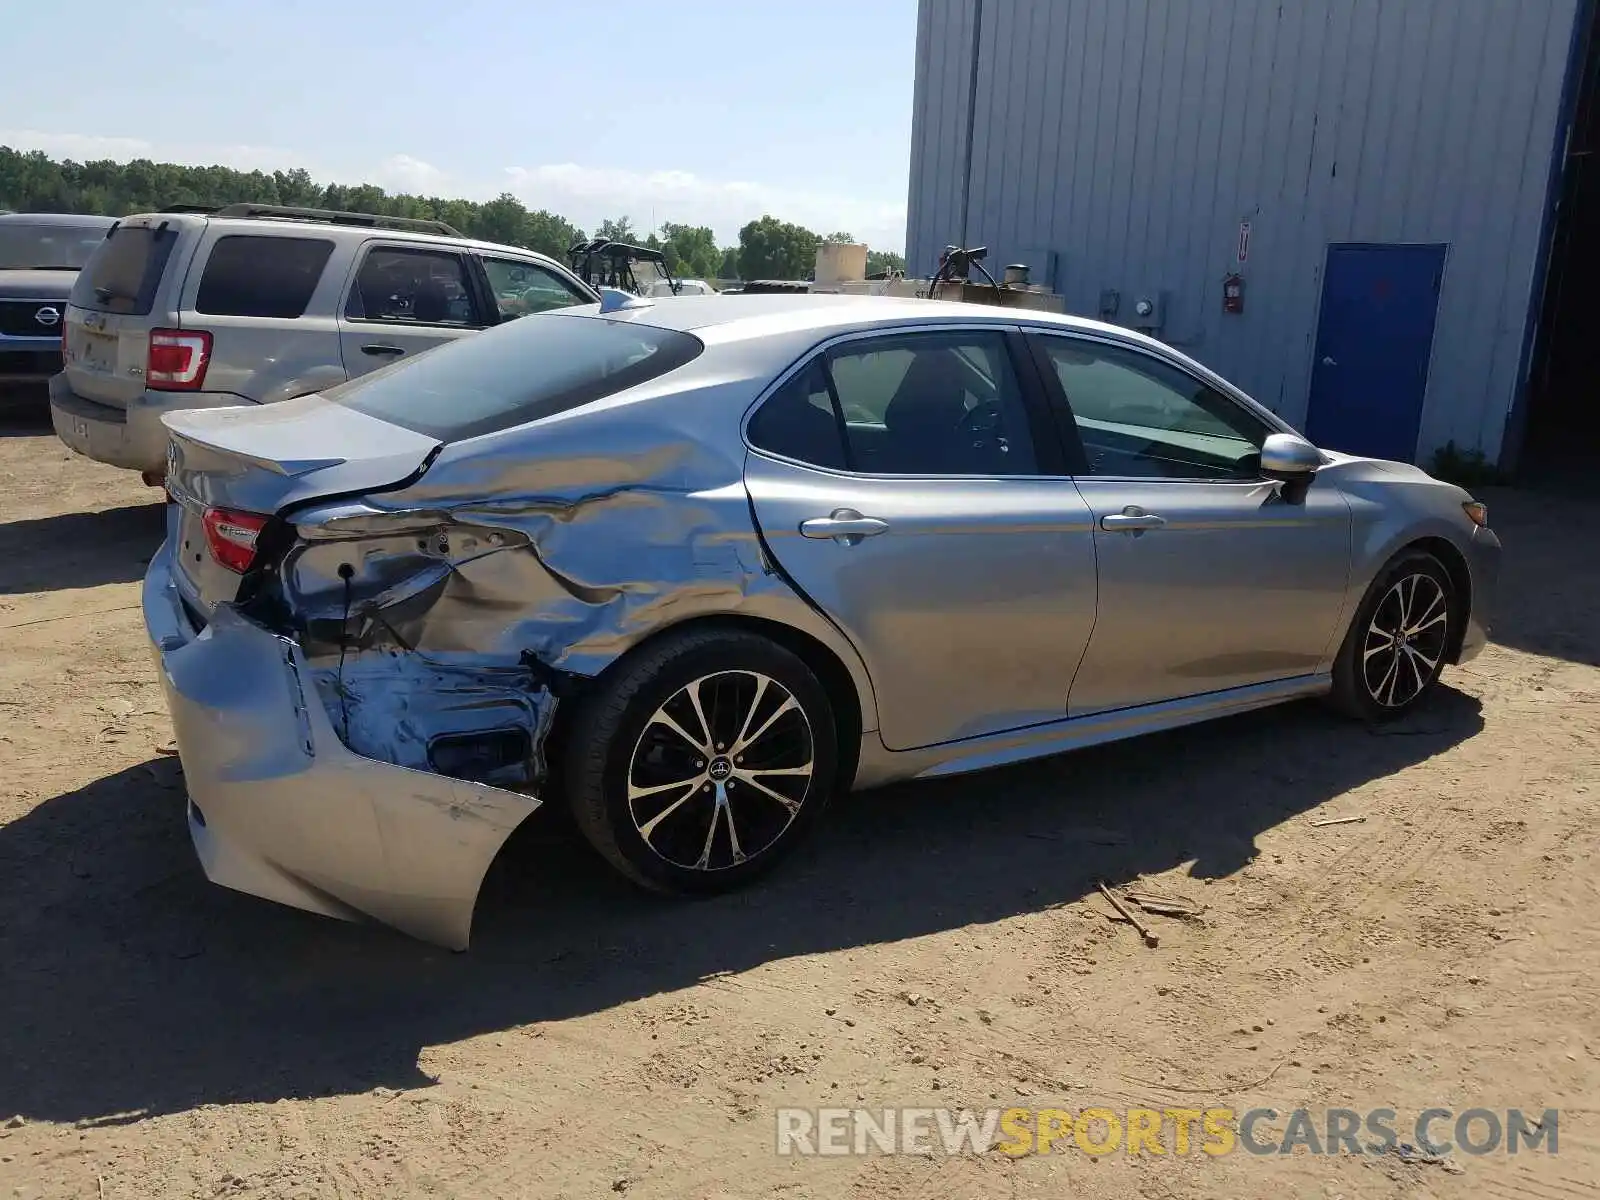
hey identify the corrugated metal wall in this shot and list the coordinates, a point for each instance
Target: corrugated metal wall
(1130, 138)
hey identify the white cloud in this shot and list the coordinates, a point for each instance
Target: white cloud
(85, 147)
(585, 195)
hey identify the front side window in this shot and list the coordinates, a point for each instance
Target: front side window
(1138, 416)
(250, 276)
(516, 373)
(413, 287)
(520, 288)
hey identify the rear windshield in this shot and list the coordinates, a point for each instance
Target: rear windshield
(515, 373)
(261, 276)
(122, 276)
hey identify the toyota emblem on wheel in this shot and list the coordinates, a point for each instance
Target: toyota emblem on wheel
(48, 317)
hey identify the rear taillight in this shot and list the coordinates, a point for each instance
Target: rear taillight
(231, 537)
(177, 360)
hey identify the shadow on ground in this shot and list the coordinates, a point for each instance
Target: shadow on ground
(79, 550)
(133, 987)
(1549, 596)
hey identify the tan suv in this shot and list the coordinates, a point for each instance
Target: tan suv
(250, 304)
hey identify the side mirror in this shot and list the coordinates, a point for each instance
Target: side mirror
(1285, 456)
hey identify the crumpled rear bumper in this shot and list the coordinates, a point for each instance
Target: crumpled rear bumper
(280, 808)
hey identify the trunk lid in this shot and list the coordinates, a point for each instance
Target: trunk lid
(261, 459)
(121, 294)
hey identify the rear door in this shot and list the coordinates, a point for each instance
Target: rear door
(908, 485)
(404, 298)
(127, 288)
(1211, 576)
(267, 292)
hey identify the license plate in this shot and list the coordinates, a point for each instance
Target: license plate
(97, 353)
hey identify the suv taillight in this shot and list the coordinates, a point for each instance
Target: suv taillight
(231, 537)
(177, 360)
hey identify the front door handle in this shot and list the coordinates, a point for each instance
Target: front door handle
(844, 525)
(379, 350)
(1132, 519)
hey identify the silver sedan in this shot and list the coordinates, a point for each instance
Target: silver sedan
(723, 558)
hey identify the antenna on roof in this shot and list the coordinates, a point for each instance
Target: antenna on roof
(615, 299)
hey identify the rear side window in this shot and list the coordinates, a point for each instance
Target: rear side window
(516, 373)
(262, 276)
(124, 274)
(798, 421)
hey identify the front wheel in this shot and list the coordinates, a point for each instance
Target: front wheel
(1395, 649)
(702, 761)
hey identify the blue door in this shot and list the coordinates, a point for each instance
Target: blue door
(1374, 340)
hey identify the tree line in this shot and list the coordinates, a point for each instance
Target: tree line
(31, 181)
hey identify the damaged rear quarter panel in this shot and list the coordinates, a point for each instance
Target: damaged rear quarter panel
(545, 550)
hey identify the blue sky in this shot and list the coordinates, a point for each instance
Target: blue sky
(710, 111)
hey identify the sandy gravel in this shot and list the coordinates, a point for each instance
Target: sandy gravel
(937, 945)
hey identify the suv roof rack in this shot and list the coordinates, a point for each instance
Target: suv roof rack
(328, 216)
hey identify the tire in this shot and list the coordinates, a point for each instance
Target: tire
(638, 738)
(1406, 595)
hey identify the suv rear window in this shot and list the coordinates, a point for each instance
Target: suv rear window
(516, 373)
(250, 276)
(122, 276)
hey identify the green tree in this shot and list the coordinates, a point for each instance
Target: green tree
(841, 239)
(774, 249)
(884, 260)
(617, 229)
(729, 267)
(692, 250)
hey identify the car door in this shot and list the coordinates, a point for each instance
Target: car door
(404, 298)
(910, 485)
(1211, 575)
(519, 287)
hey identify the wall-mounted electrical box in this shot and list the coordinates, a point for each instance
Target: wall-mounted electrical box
(1147, 310)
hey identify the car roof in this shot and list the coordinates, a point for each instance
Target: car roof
(66, 220)
(365, 231)
(724, 318)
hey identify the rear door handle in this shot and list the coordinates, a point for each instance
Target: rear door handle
(1132, 519)
(844, 525)
(379, 350)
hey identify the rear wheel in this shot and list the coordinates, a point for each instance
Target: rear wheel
(702, 761)
(1395, 649)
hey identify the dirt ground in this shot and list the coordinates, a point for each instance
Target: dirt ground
(940, 944)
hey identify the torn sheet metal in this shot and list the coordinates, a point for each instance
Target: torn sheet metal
(281, 809)
(556, 554)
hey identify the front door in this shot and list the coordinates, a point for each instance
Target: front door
(904, 484)
(1210, 576)
(1374, 341)
(402, 300)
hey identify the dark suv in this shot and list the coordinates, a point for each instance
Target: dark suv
(40, 256)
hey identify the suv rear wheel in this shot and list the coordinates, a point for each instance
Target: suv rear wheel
(701, 761)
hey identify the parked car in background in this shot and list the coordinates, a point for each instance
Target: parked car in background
(40, 257)
(724, 557)
(254, 304)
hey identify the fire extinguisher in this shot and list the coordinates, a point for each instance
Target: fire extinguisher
(1233, 293)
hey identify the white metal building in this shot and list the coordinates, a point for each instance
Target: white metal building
(1392, 191)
